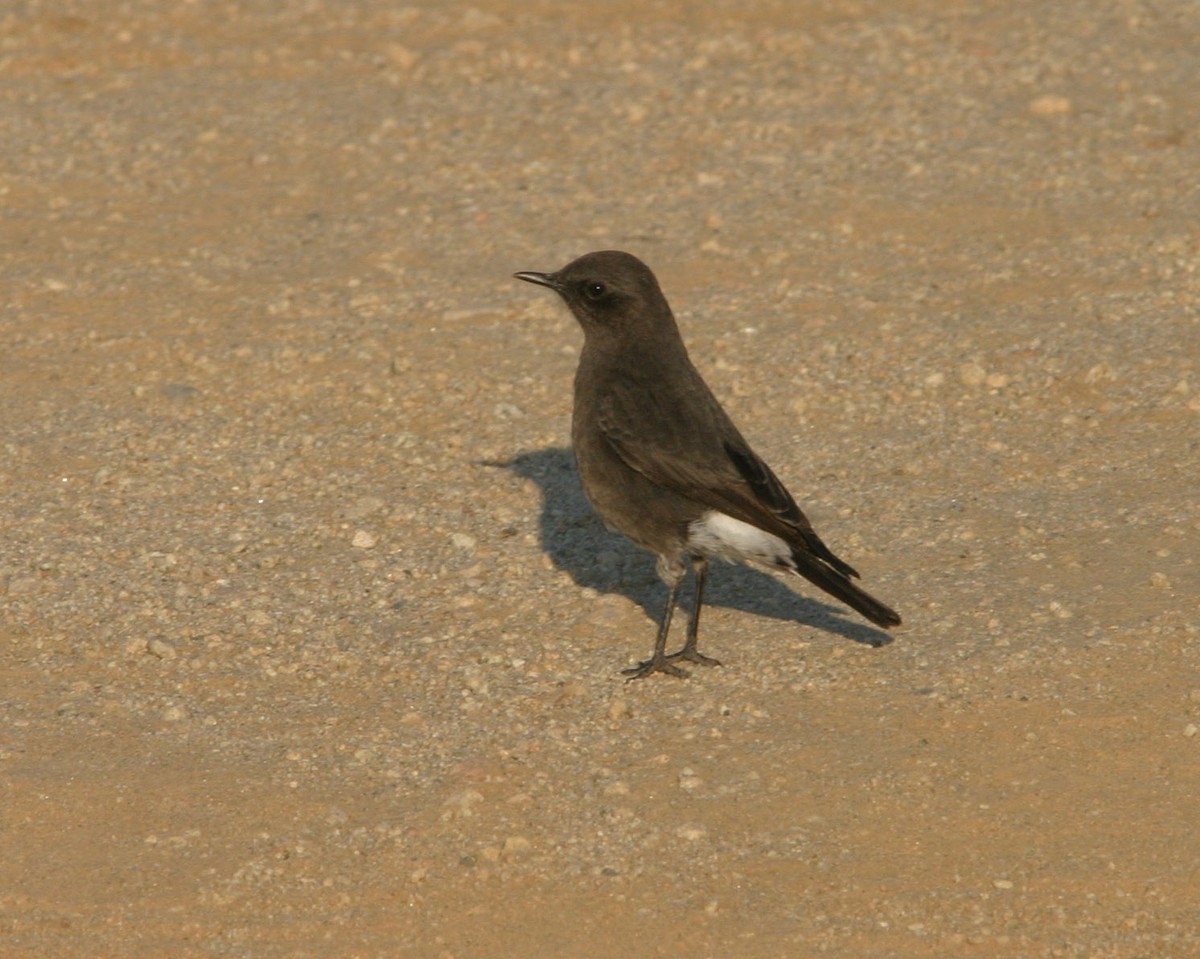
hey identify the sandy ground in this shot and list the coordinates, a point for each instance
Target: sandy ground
(310, 644)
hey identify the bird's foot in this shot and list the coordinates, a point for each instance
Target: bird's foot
(656, 664)
(693, 655)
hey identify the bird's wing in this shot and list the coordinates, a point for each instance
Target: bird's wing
(683, 440)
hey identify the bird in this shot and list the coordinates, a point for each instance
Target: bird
(661, 461)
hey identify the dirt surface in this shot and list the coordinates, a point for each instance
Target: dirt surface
(310, 644)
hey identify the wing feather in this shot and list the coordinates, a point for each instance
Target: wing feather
(701, 455)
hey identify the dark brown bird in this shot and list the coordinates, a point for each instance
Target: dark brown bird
(663, 463)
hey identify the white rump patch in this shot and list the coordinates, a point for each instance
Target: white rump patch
(717, 534)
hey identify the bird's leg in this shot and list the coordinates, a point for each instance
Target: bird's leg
(660, 662)
(689, 651)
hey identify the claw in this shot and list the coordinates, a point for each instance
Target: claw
(692, 656)
(656, 665)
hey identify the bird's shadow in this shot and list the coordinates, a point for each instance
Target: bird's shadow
(577, 542)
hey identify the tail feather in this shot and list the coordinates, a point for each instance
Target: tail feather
(837, 584)
(818, 547)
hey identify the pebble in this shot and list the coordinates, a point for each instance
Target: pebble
(23, 585)
(515, 846)
(688, 780)
(619, 709)
(462, 803)
(572, 691)
(972, 374)
(363, 540)
(161, 649)
(364, 506)
(137, 646)
(1049, 105)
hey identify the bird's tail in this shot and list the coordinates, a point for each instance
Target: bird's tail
(838, 584)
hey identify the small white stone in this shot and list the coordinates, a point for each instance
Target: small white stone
(363, 540)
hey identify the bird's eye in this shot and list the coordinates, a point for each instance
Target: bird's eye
(594, 290)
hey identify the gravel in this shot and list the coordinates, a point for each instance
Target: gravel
(311, 645)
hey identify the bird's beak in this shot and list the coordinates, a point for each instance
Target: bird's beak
(541, 279)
